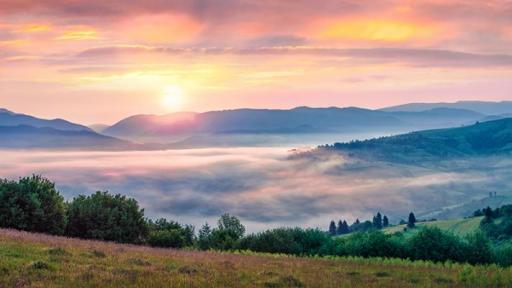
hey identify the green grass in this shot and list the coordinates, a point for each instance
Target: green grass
(35, 260)
(459, 227)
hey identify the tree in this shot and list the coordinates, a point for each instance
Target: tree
(377, 221)
(412, 220)
(357, 222)
(339, 230)
(204, 237)
(346, 229)
(385, 221)
(106, 217)
(32, 204)
(163, 233)
(332, 228)
(232, 225)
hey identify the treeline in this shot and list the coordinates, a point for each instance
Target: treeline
(33, 204)
(497, 223)
(378, 222)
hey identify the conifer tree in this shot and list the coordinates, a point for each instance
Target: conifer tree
(412, 220)
(332, 229)
(385, 221)
(339, 230)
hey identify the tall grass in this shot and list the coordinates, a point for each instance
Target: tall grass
(37, 260)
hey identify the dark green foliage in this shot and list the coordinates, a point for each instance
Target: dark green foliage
(332, 228)
(371, 244)
(362, 226)
(225, 237)
(340, 228)
(377, 221)
(412, 220)
(204, 237)
(294, 241)
(501, 231)
(431, 243)
(231, 225)
(385, 221)
(479, 248)
(163, 233)
(32, 204)
(106, 217)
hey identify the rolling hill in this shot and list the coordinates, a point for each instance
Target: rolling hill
(29, 137)
(487, 138)
(300, 120)
(8, 118)
(483, 107)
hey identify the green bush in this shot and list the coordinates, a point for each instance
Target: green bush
(32, 204)
(294, 241)
(431, 243)
(166, 238)
(106, 217)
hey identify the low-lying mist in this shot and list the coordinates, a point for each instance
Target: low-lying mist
(266, 187)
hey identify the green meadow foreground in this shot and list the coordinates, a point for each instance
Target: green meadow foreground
(38, 260)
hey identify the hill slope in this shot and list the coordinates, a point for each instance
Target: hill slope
(488, 108)
(301, 120)
(459, 227)
(486, 138)
(8, 118)
(26, 137)
(36, 260)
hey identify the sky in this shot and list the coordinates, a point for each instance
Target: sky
(99, 61)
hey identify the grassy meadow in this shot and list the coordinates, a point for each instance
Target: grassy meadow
(38, 260)
(459, 227)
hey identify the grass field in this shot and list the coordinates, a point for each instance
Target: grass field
(459, 227)
(36, 260)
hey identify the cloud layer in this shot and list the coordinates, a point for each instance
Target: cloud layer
(266, 187)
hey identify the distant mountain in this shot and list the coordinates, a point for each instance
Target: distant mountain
(294, 121)
(483, 107)
(8, 118)
(485, 138)
(28, 137)
(98, 128)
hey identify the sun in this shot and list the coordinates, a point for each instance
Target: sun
(173, 98)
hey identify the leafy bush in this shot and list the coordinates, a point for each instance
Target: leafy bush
(32, 204)
(288, 241)
(106, 217)
(431, 243)
(165, 233)
(225, 237)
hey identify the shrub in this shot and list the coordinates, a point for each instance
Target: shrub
(167, 238)
(106, 217)
(165, 233)
(32, 204)
(288, 241)
(431, 243)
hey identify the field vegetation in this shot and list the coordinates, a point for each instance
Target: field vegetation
(40, 260)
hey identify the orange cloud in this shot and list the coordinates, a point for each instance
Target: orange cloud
(79, 33)
(31, 28)
(373, 30)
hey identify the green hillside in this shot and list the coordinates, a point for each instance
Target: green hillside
(459, 227)
(36, 260)
(479, 139)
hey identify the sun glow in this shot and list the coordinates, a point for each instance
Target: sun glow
(173, 98)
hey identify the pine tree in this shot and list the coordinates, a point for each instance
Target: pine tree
(332, 229)
(346, 229)
(377, 221)
(339, 230)
(385, 221)
(412, 220)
